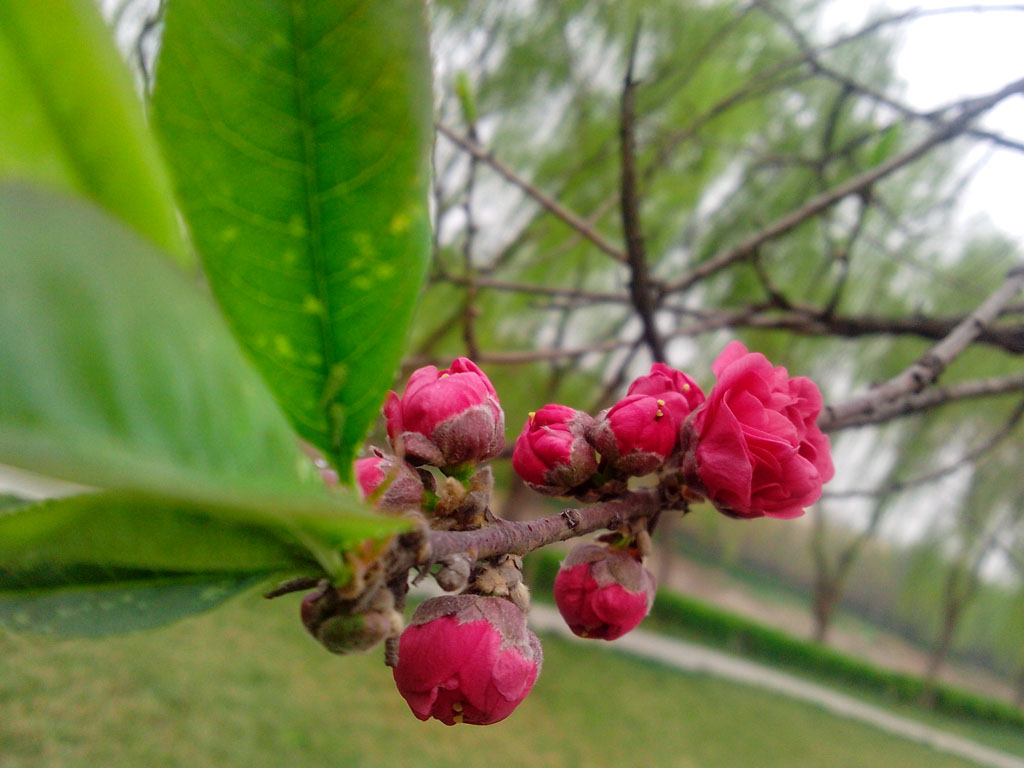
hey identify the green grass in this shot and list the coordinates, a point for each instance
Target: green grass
(243, 686)
(990, 722)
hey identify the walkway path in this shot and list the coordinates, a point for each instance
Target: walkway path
(697, 658)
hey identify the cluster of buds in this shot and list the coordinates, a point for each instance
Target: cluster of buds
(564, 452)
(752, 447)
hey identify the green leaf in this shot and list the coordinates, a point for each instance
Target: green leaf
(298, 134)
(127, 533)
(122, 375)
(115, 371)
(117, 607)
(131, 561)
(71, 119)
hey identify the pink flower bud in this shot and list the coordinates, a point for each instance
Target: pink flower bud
(466, 659)
(639, 432)
(759, 450)
(552, 454)
(446, 418)
(603, 593)
(662, 380)
(389, 484)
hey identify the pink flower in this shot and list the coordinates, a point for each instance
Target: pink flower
(759, 450)
(603, 593)
(466, 659)
(446, 418)
(639, 432)
(389, 483)
(552, 454)
(663, 379)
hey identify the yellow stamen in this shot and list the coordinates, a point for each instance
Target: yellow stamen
(444, 375)
(532, 414)
(661, 402)
(659, 414)
(458, 719)
(457, 706)
(686, 387)
(457, 709)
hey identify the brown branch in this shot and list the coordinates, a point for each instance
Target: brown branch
(470, 309)
(856, 185)
(762, 83)
(523, 537)
(928, 367)
(594, 297)
(932, 398)
(537, 355)
(810, 321)
(636, 255)
(969, 457)
(801, 320)
(575, 221)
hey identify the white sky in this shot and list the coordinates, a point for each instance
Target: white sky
(953, 56)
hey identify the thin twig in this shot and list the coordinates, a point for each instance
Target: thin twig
(592, 297)
(470, 309)
(575, 221)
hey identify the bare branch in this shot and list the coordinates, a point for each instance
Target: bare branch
(968, 458)
(636, 255)
(931, 365)
(849, 84)
(810, 321)
(470, 311)
(523, 537)
(932, 398)
(594, 297)
(575, 221)
(532, 356)
(857, 184)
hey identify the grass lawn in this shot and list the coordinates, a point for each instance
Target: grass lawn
(244, 686)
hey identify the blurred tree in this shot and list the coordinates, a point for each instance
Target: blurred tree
(637, 181)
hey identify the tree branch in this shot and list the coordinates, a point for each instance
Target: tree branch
(593, 297)
(970, 457)
(471, 310)
(639, 284)
(810, 321)
(523, 537)
(851, 85)
(931, 365)
(857, 184)
(575, 221)
(932, 398)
